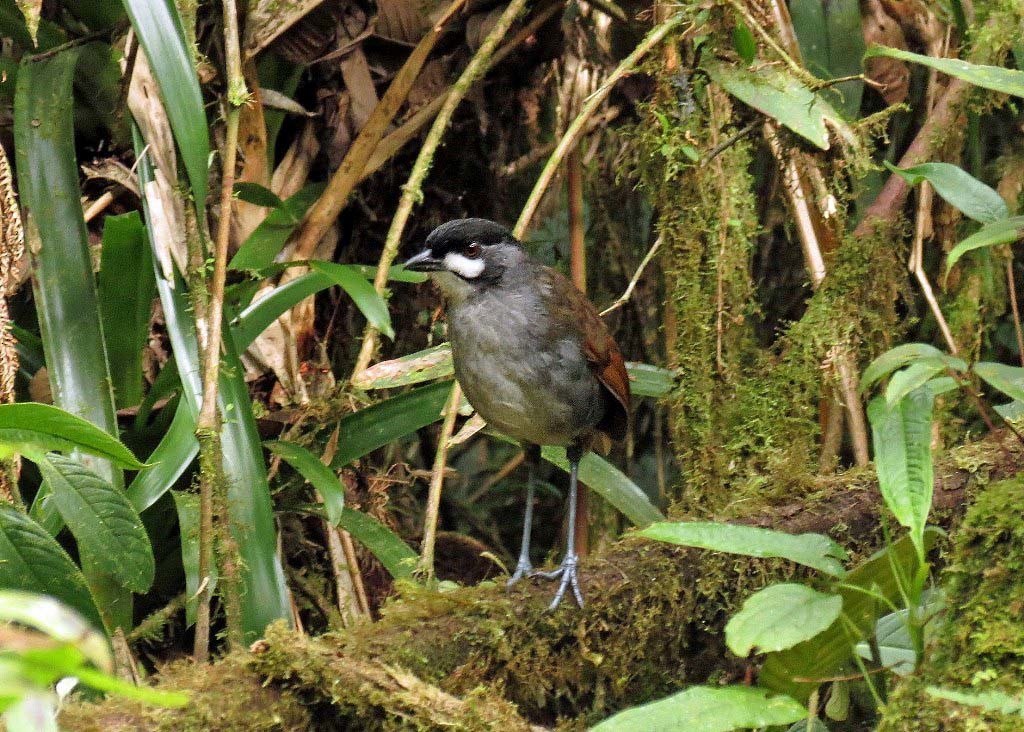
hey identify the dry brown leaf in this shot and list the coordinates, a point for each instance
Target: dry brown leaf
(271, 18)
(892, 75)
(401, 20)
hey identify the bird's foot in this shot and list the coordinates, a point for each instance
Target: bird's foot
(568, 573)
(523, 569)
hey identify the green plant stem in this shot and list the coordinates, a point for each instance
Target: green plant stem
(576, 127)
(213, 502)
(426, 563)
(411, 191)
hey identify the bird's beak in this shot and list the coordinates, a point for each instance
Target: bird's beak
(424, 262)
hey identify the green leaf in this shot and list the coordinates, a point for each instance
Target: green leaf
(396, 556)
(101, 519)
(958, 188)
(319, 475)
(263, 589)
(895, 647)
(779, 617)
(168, 461)
(126, 292)
(845, 51)
(902, 438)
(996, 78)
(903, 355)
(1006, 231)
(811, 550)
(259, 314)
(187, 507)
(267, 240)
(113, 685)
(990, 701)
(159, 30)
(257, 195)
(828, 652)
(649, 381)
(32, 560)
(808, 17)
(906, 380)
(611, 484)
(744, 43)
(783, 97)
(45, 428)
(377, 425)
(367, 299)
(707, 709)
(1007, 379)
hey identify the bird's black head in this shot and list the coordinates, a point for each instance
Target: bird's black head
(474, 251)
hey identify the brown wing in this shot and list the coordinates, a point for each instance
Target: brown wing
(601, 352)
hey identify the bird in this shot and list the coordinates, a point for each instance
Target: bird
(533, 357)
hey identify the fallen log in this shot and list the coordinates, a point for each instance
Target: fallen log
(481, 657)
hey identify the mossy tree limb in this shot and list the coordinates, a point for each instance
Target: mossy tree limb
(653, 624)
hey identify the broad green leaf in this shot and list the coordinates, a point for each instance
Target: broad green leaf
(264, 591)
(381, 423)
(1006, 231)
(826, 653)
(780, 616)
(902, 439)
(906, 380)
(1007, 379)
(990, 701)
(319, 475)
(811, 550)
(1011, 412)
(396, 556)
(846, 51)
(958, 188)
(903, 355)
(267, 240)
(159, 29)
(101, 519)
(808, 17)
(895, 648)
(168, 461)
(648, 380)
(33, 561)
(996, 78)
(367, 299)
(257, 195)
(611, 484)
(57, 620)
(781, 96)
(126, 292)
(45, 427)
(707, 709)
(187, 507)
(62, 271)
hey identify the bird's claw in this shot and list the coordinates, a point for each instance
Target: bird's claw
(523, 569)
(569, 575)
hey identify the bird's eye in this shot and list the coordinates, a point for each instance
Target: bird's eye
(473, 250)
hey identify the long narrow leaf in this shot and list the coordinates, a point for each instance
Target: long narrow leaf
(958, 188)
(1006, 231)
(126, 291)
(63, 281)
(48, 428)
(396, 556)
(319, 475)
(158, 26)
(259, 314)
(267, 240)
(168, 462)
(996, 78)
(367, 299)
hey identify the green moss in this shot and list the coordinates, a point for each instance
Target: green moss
(981, 645)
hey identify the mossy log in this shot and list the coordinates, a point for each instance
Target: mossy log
(481, 657)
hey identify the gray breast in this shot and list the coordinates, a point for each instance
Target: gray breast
(522, 378)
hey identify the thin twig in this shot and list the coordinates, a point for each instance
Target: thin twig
(426, 563)
(1011, 286)
(411, 191)
(575, 129)
(924, 205)
(628, 292)
(208, 421)
(729, 142)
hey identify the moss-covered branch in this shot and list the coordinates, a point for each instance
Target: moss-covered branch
(467, 658)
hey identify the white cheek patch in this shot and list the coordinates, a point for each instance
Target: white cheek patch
(463, 266)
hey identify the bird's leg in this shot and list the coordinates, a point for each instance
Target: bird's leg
(568, 572)
(523, 566)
